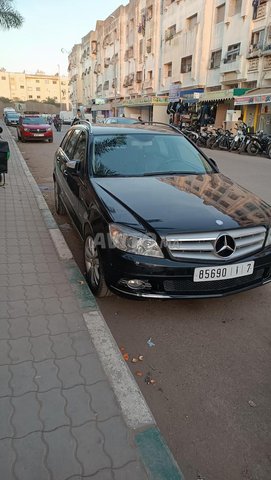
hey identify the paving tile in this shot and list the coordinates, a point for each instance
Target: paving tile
(103, 400)
(41, 348)
(69, 372)
(20, 350)
(90, 448)
(52, 410)
(91, 369)
(62, 345)
(6, 411)
(5, 377)
(30, 461)
(26, 414)
(61, 457)
(46, 375)
(7, 459)
(22, 378)
(18, 327)
(78, 406)
(117, 441)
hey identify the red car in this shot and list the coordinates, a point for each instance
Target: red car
(34, 127)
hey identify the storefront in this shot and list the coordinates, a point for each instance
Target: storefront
(183, 104)
(100, 110)
(256, 108)
(218, 107)
(150, 109)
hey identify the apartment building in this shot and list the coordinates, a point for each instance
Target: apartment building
(151, 51)
(23, 87)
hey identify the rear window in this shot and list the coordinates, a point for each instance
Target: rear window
(146, 154)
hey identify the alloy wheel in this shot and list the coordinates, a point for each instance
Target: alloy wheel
(92, 261)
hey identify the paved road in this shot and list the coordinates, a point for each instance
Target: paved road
(211, 358)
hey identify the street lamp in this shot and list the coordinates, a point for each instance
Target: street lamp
(115, 69)
(59, 86)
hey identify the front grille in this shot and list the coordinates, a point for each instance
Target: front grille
(41, 130)
(200, 246)
(186, 285)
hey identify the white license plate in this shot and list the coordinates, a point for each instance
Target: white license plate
(211, 274)
(38, 134)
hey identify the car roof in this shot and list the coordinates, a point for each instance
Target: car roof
(131, 128)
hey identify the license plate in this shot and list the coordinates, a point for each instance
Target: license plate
(211, 274)
(38, 134)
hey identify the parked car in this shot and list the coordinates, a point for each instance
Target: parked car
(121, 120)
(157, 218)
(11, 118)
(34, 127)
(66, 117)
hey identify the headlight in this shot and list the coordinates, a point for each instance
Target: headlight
(26, 129)
(49, 129)
(268, 238)
(129, 240)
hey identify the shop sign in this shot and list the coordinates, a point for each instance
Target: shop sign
(144, 101)
(251, 100)
(99, 101)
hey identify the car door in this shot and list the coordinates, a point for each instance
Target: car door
(78, 183)
(65, 179)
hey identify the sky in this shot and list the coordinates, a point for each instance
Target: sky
(49, 26)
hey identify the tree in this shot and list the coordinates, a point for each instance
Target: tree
(9, 17)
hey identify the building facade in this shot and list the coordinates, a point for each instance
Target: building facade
(20, 87)
(151, 51)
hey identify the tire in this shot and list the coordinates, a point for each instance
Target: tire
(50, 140)
(269, 151)
(211, 141)
(253, 148)
(60, 209)
(94, 268)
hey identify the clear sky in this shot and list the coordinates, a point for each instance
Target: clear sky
(49, 26)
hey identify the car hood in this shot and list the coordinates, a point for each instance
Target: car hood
(183, 203)
(36, 126)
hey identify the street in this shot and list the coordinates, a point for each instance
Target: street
(210, 359)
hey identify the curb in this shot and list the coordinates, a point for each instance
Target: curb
(152, 448)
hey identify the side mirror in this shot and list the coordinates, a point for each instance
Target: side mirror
(214, 164)
(73, 167)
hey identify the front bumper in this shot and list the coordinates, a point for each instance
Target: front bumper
(165, 278)
(38, 136)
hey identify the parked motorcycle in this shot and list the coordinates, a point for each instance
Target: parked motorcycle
(258, 144)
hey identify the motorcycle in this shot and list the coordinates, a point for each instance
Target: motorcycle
(259, 144)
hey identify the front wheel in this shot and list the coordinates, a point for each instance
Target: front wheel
(269, 150)
(253, 148)
(94, 268)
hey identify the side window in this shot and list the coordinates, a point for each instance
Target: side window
(81, 149)
(69, 145)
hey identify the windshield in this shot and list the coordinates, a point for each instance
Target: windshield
(146, 154)
(13, 115)
(34, 121)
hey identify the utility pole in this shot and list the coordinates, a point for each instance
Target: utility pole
(115, 69)
(59, 82)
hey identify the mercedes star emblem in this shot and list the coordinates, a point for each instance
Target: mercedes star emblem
(225, 246)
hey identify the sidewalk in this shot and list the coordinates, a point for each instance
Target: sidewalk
(69, 407)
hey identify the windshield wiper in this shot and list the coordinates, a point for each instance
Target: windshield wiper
(173, 172)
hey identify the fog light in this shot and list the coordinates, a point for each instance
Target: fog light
(136, 284)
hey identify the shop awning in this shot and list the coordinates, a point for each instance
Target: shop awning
(222, 95)
(254, 97)
(175, 93)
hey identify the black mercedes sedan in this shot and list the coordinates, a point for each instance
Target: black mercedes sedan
(157, 218)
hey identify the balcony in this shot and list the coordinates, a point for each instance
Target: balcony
(255, 50)
(261, 11)
(232, 66)
(253, 65)
(267, 63)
